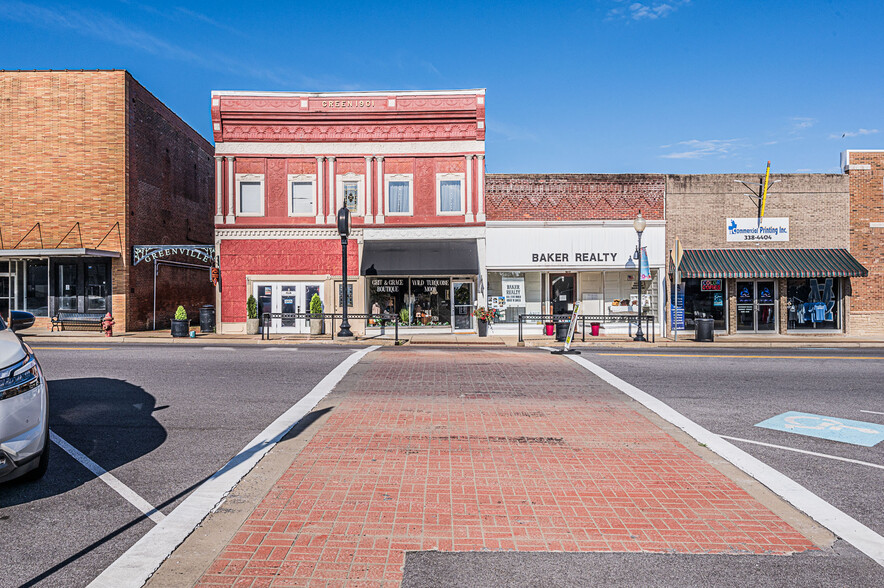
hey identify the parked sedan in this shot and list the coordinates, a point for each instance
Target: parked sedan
(24, 405)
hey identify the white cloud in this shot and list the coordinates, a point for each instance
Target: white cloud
(857, 133)
(698, 149)
(644, 11)
(799, 123)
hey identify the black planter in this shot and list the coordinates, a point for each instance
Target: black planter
(483, 328)
(180, 328)
(562, 330)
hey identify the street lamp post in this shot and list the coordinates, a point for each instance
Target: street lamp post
(344, 232)
(639, 226)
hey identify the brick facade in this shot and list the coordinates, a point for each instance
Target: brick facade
(566, 197)
(865, 170)
(96, 148)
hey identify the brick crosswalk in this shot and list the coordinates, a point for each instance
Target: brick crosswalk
(486, 450)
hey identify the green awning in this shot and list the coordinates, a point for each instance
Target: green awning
(769, 263)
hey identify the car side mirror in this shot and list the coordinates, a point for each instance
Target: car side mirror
(19, 319)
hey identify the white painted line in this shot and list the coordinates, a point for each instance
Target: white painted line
(871, 412)
(134, 567)
(838, 522)
(109, 479)
(856, 461)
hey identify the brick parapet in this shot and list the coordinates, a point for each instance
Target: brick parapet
(866, 177)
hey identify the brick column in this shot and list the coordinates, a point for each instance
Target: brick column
(332, 199)
(320, 194)
(469, 175)
(381, 206)
(480, 216)
(231, 192)
(368, 186)
(219, 189)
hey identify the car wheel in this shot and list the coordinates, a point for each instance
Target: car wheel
(38, 472)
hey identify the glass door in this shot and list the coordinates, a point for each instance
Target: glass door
(7, 288)
(264, 295)
(746, 306)
(561, 293)
(765, 300)
(67, 287)
(462, 295)
(289, 303)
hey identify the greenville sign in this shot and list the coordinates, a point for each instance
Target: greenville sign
(205, 253)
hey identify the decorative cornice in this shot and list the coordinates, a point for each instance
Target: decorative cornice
(326, 132)
(378, 149)
(277, 233)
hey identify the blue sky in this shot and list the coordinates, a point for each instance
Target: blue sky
(604, 86)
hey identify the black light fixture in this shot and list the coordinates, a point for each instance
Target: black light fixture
(344, 232)
(639, 225)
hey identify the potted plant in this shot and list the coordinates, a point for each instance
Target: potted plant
(252, 324)
(485, 316)
(316, 315)
(180, 324)
(403, 316)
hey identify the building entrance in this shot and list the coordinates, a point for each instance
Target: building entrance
(756, 306)
(286, 298)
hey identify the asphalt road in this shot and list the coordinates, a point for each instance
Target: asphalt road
(161, 419)
(729, 391)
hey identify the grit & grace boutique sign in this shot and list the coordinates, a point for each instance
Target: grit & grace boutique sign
(751, 229)
(591, 246)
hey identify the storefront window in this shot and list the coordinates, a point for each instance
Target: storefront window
(705, 299)
(97, 287)
(37, 287)
(426, 301)
(515, 293)
(813, 303)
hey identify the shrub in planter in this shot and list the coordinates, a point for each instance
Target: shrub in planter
(180, 324)
(316, 315)
(252, 323)
(403, 316)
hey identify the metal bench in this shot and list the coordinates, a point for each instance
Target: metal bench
(77, 320)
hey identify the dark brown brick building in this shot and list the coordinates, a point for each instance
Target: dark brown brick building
(91, 164)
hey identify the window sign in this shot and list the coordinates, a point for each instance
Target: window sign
(744, 294)
(753, 229)
(765, 294)
(718, 299)
(341, 295)
(710, 285)
(514, 291)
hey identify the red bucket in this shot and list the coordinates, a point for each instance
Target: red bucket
(595, 329)
(550, 329)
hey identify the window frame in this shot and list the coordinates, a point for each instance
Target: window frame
(249, 178)
(360, 191)
(408, 178)
(301, 178)
(448, 177)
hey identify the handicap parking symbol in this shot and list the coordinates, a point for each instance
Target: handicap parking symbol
(824, 427)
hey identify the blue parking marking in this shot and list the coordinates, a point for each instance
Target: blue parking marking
(824, 427)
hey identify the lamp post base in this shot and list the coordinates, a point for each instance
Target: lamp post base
(345, 330)
(639, 336)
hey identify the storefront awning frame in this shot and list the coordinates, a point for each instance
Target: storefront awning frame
(42, 253)
(769, 263)
(420, 257)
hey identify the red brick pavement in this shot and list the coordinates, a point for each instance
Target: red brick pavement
(486, 450)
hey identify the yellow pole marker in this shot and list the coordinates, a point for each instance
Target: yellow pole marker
(764, 194)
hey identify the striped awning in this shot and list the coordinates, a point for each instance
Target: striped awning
(769, 263)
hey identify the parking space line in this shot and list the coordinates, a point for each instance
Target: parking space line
(856, 461)
(871, 411)
(838, 522)
(72, 348)
(140, 561)
(109, 479)
(738, 356)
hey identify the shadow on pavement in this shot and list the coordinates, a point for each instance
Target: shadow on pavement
(110, 421)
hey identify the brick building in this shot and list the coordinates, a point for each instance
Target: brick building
(865, 172)
(408, 165)
(553, 240)
(790, 273)
(91, 164)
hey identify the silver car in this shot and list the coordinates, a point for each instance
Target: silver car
(24, 405)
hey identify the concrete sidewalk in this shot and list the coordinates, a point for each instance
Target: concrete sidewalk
(489, 450)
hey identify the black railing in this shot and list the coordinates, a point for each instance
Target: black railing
(648, 319)
(382, 320)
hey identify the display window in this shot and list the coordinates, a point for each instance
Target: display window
(419, 301)
(705, 298)
(813, 303)
(515, 293)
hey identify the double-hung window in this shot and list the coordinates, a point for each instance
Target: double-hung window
(400, 199)
(302, 195)
(250, 194)
(449, 194)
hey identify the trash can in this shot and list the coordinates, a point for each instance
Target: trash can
(562, 330)
(207, 319)
(705, 329)
(595, 328)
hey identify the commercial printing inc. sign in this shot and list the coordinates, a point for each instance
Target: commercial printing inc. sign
(749, 229)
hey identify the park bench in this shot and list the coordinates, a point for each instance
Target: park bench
(77, 320)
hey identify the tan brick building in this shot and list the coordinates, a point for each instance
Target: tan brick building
(792, 273)
(865, 170)
(91, 164)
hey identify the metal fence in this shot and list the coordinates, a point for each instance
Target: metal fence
(382, 319)
(648, 319)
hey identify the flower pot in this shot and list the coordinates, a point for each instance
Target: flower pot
(483, 328)
(180, 328)
(550, 327)
(316, 326)
(595, 328)
(252, 326)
